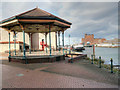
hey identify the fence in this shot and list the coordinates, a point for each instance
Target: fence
(100, 64)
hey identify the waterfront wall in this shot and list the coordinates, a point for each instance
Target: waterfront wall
(108, 45)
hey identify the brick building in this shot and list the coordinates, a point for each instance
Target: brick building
(90, 40)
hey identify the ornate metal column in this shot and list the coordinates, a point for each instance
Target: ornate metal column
(30, 43)
(50, 38)
(9, 48)
(15, 43)
(24, 44)
(63, 40)
(59, 39)
(56, 39)
(46, 40)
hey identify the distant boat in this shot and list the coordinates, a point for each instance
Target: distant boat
(78, 48)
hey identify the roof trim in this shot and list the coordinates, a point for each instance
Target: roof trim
(50, 17)
(47, 18)
(9, 22)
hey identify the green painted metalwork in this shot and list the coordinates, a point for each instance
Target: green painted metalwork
(46, 41)
(66, 52)
(44, 17)
(24, 44)
(69, 51)
(50, 38)
(30, 43)
(111, 65)
(56, 39)
(59, 39)
(8, 20)
(24, 56)
(9, 47)
(15, 43)
(63, 41)
(99, 61)
(92, 59)
(71, 58)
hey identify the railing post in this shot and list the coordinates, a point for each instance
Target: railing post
(99, 61)
(71, 58)
(69, 51)
(65, 51)
(111, 65)
(92, 59)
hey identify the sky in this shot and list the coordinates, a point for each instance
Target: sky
(98, 18)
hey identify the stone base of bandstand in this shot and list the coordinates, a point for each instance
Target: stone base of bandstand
(37, 57)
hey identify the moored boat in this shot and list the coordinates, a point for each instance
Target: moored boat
(78, 48)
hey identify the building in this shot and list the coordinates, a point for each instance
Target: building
(36, 25)
(90, 40)
(36, 39)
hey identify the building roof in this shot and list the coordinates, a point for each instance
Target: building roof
(36, 13)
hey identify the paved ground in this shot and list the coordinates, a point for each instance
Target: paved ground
(61, 74)
(80, 74)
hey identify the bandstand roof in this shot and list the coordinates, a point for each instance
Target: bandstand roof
(35, 20)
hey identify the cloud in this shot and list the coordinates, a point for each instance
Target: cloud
(99, 18)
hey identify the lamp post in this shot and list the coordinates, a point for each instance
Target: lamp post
(69, 39)
(69, 44)
(93, 51)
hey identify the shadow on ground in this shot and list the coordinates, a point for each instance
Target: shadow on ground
(79, 69)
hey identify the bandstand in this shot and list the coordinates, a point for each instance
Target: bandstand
(35, 21)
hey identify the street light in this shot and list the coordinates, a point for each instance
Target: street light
(69, 39)
(69, 44)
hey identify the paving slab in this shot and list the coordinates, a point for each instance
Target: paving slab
(79, 74)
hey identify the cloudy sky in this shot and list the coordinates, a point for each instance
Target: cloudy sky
(98, 18)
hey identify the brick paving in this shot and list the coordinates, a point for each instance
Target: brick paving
(83, 69)
(80, 74)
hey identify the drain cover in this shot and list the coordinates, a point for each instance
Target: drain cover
(19, 75)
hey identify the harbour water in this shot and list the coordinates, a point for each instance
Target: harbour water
(105, 53)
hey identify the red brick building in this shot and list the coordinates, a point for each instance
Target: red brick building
(90, 40)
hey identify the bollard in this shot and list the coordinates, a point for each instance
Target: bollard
(99, 61)
(111, 65)
(66, 51)
(71, 58)
(92, 59)
(69, 51)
